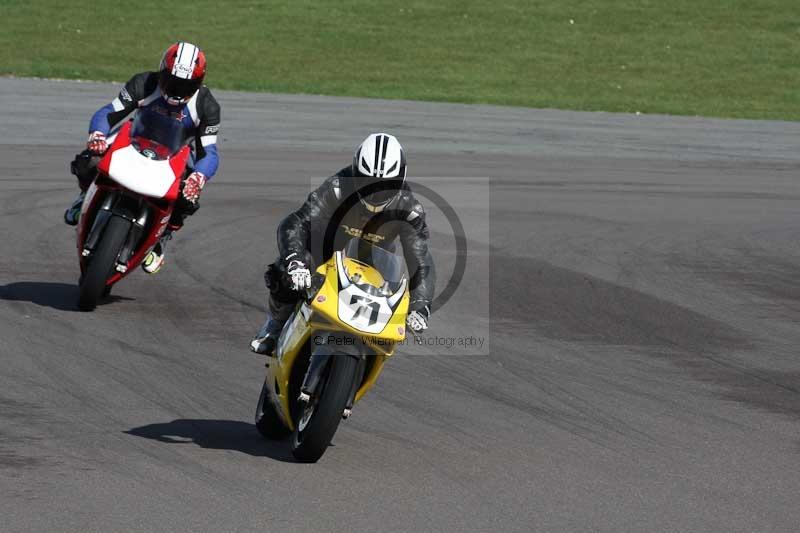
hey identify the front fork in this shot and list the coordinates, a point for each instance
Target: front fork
(134, 236)
(112, 205)
(100, 221)
(316, 371)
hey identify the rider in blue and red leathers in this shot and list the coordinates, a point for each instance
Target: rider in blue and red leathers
(176, 90)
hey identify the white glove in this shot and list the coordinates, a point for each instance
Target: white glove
(299, 273)
(418, 321)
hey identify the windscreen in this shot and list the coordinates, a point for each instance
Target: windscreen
(155, 135)
(391, 266)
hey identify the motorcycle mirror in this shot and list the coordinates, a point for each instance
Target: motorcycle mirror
(344, 281)
(395, 298)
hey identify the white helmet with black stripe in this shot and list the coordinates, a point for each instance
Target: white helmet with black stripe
(379, 169)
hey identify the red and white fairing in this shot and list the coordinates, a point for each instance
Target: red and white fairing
(150, 177)
(124, 169)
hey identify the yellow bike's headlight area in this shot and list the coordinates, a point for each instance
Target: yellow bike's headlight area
(352, 309)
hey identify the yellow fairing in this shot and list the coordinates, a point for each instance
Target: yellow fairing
(327, 301)
(279, 371)
(321, 316)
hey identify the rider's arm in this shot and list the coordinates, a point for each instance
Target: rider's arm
(206, 136)
(294, 231)
(414, 237)
(126, 101)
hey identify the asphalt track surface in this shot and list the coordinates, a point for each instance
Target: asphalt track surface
(636, 280)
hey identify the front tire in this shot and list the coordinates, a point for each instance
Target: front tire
(311, 439)
(93, 283)
(267, 421)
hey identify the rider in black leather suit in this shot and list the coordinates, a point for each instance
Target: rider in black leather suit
(369, 199)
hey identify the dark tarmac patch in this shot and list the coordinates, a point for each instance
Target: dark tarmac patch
(776, 278)
(565, 305)
(18, 448)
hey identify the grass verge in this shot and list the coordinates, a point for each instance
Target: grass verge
(728, 58)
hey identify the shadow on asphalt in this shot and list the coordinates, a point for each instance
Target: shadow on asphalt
(61, 296)
(216, 435)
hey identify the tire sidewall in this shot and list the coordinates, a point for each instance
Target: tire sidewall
(93, 282)
(311, 443)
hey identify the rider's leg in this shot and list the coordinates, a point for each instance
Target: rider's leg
(155, 259)
(282, 301)
(84, 167)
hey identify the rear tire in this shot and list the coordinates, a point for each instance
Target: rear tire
(101, 263)
(267, 421)
(310, 443)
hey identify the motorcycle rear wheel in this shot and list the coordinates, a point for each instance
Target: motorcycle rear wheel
(93, 283)
(310, 442)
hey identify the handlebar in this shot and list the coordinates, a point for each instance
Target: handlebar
(317, 280)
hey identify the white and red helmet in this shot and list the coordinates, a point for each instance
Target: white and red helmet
(181, 72)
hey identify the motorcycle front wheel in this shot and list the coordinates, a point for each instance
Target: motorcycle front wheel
(320, 418)
(101, 263)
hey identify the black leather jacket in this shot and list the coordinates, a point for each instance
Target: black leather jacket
(333, 214)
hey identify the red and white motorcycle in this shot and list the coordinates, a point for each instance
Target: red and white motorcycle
(129, 204)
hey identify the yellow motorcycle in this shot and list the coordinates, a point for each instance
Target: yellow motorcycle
(333, 348)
